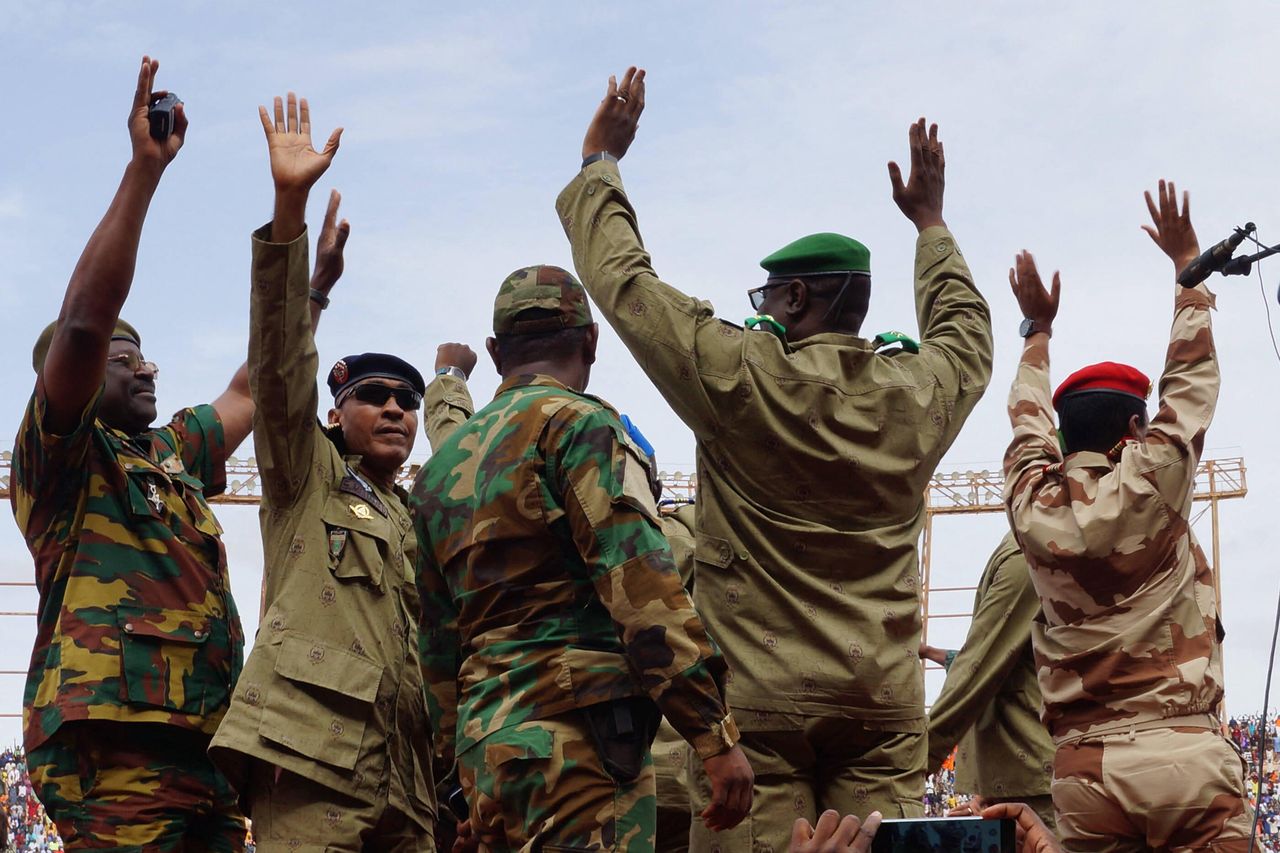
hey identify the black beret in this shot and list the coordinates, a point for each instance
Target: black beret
(354, 368)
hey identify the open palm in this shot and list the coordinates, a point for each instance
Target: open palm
(295, 164)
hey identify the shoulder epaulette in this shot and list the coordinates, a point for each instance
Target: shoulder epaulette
(885, 339)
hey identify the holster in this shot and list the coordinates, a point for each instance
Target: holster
(623, 731)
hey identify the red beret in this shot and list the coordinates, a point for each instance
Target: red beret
(1105, 376)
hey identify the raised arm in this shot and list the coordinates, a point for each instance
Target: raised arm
(1035, 442)
(76, 362)
(282, 351)
(447, 403)
(691, 357)
(1191, 380)
(955, 321)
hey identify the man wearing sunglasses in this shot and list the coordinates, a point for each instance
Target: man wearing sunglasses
(327, 739)
(813, 451)
(138, 641)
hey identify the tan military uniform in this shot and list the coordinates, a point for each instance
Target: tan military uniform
(1128, 647)
(327, 736)
(670, 752)
(813, 458)
(990, 702)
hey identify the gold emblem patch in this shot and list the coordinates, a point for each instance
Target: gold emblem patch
(360, 511)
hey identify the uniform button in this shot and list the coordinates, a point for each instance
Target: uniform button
(316, 654)
(198, 634)
(128, 627)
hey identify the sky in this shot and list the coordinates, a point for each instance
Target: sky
(764, 122)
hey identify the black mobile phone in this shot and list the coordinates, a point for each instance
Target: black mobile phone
(161, 115)
(457, 803)
(946, 835)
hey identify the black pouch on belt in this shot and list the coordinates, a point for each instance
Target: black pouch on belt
(623, 731)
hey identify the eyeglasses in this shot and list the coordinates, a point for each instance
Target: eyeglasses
(133, 362)
(377, 394)
(756, 294)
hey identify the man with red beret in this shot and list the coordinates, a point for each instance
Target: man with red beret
(1128, 646)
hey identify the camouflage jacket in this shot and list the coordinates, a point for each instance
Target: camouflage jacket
(546, 582)
(990, 702)
(332, 689)
(812, 456)
(136, 622)
(1130, 630)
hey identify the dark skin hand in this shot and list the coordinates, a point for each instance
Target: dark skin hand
(456, 355)
(732, 786)
(295, 164)
(613, 127)
(1032, 835)
(1173, 232)
(834, 834)
(933, 653)
(920, 198)
(1037, 303)
(329, 259)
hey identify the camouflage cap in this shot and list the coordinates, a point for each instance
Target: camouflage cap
(122, 332)
(546, 287)
(819, 253)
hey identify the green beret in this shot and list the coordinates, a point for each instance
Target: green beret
(819, 253)
(546, 287)
(122, 332)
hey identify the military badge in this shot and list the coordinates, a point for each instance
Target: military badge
(340, 372)
(360, 511)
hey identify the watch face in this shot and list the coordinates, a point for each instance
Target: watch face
(1027, 327)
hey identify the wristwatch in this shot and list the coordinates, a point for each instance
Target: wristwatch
(452, 371)
(320, 298)
(599, 155)
(1029, 328)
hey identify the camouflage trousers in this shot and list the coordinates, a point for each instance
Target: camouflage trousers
(135, 788)
(670, 766)
(814, 764)
(540, 786)
(292, 814)
(1169, 789)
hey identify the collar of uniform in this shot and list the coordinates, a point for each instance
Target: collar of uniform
(521, 380)
(353, 462)
(1086, 459)
(833, 338)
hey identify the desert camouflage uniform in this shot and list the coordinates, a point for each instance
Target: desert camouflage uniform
(327, 736)
(547, 590)
(137, 639)
(990, 702)
(813, 457)
(1128, 647)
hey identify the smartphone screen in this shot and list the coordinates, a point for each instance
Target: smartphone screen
(946, 834)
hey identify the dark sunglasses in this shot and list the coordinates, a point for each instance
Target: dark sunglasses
(377, 394)
(133, 362)
(756, 294)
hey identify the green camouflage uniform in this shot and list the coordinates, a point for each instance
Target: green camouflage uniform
(813, 457)
(1128, 647)
(137, 641)
(990, 702)
(332, 694)
(548, 589)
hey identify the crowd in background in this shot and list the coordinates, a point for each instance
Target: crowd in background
(27, 828)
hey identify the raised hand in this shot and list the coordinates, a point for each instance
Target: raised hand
(920, 198)
(146, 148)
(460, 356)
(295, 164)
(333, 238)
(613, 127)
(1172, 232)
(1037, 303)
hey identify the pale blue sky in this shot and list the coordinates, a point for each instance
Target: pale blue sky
(764, 122)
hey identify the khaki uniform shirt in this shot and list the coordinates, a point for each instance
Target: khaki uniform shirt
(990, 701)
(813, 457)
(333, 689)
(1130, 630)
(669, 749)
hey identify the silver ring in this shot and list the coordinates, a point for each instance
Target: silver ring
(622, 98)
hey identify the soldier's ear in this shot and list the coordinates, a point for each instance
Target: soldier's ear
(335, 417)
(589, 341)
(491, 346)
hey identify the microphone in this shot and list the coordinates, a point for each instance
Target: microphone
(1213, 260)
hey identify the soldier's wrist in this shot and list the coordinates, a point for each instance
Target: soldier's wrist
(722, 737)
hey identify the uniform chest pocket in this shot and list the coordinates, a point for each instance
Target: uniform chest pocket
(174, 659)
(358, 539)
(202, 517)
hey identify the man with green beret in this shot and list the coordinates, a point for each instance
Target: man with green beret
(556, 630)
(327, 739)
(813, 452)
(138, 642)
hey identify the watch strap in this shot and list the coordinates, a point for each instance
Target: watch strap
(320, 298)
(597, 157)
(453, 371)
